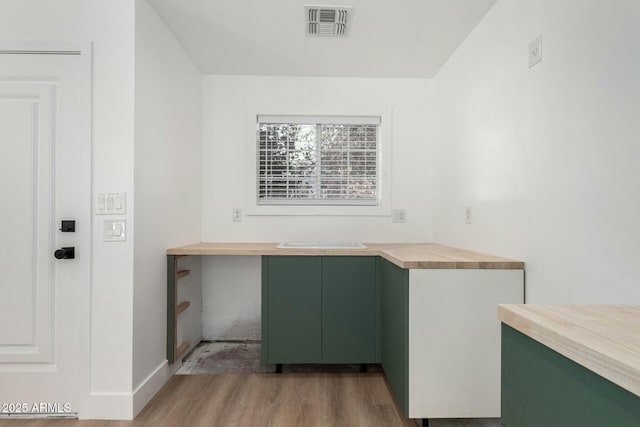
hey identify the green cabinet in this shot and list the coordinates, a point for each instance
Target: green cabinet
(394, 332)
(292, 316)
(348, 310)
(540, 387)
(319, 309)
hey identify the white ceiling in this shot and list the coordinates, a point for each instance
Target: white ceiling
(385, 38)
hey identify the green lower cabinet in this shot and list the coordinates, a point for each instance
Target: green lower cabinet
(540, 387)
(319, 309)
(293, 309)
(348, 310)
(394, 330)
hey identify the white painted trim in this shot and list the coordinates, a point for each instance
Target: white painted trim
(107, 406)
(43, 47)
(151, 385)
(126, 406)
(344, 120)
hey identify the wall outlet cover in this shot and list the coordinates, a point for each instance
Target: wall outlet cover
(236, 214)
(399, 216)
(115, 230)
(535, 51)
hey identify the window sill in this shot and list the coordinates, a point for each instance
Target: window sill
(275, 210)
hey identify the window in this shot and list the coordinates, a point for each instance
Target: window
(305, 160)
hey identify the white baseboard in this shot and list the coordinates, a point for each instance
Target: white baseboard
(125, 406)
(151, 385)
(107, 406)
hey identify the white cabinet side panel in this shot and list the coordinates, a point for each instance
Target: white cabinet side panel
(454, 340)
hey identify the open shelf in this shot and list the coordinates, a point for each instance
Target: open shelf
(182, 307)
(175, 351)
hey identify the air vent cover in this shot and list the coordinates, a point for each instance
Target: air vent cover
(327, 20)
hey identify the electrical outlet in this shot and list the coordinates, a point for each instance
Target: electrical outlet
(399, 215)
(236, 214)
(468, 215)
(535, 51)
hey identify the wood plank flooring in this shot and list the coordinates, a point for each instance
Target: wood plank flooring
(335, 399)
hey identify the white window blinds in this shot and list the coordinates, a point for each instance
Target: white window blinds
(305, 160)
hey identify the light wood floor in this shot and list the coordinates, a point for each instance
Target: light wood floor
(260, 400)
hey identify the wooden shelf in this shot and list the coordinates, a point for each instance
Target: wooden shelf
(182, 273)
(182, 350)
(175, 309)
(182, 307)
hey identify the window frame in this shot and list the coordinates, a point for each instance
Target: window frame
(381, 208)
(318, 122)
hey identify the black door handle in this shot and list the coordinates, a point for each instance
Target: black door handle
(65, 253)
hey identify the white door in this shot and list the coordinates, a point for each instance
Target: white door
(45, 176)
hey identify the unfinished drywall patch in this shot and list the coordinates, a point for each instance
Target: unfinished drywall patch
(231, 295)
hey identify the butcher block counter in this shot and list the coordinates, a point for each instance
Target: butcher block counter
(571, 363)
(409, 256)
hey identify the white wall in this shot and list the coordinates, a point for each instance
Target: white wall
(110, 26)
(548, 156)
(167, 189)
(230, 105)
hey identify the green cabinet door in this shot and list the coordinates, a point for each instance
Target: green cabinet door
(543, 388)
(320, 309)
(292, 318)
(349, 309)
(394, 330)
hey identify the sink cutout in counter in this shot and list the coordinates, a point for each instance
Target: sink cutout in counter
(321, 245)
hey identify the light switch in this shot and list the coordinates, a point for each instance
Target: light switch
(111, 204)
(114, 230)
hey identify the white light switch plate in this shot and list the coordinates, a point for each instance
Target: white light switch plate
(115, 230)
(111, 204)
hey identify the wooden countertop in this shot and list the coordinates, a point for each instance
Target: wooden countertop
(603, 338)
(411, 256)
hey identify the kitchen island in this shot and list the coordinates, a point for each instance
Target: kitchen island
(425, 312)
(570, 365)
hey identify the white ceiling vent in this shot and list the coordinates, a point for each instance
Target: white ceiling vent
(327, 20)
